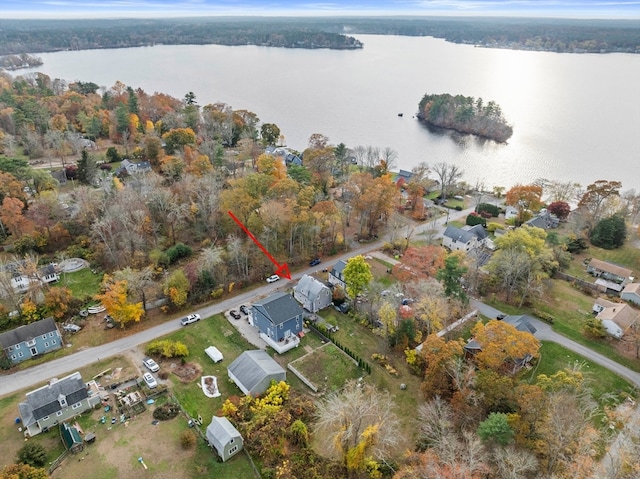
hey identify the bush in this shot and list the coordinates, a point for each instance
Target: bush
(32, 454)
(609, 233)
(112, 155)
(178, 251)
(166, 411)
(187, 439)
(474, 219)
(493, 210)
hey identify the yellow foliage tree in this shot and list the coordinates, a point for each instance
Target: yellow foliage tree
(115, 301)
(57, 301)
(503, 346)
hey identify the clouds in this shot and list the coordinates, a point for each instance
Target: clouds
(174, 8)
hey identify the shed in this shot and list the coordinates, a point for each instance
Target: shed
(253, 372)
(214, 353)
(225, 438)
(71, 438)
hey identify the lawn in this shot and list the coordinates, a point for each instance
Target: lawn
(554, 357)
(569, 308)
(83, 284)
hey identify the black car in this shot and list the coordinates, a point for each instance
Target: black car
(244, 310)
(234, 314)
(500, 317)
(315, 262)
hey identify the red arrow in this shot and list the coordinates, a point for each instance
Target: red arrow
(283, 269)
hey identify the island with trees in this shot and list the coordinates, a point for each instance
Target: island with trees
(465, 114)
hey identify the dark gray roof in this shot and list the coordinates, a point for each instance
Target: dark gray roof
(251, 367)
(458, 234)
(479, 232)
(27, 332)
(521, 323)
(44, 401)
(338, 268)
(279, 307)
(405, 174)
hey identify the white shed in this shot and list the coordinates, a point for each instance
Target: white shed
(214, 353)
(225, 438)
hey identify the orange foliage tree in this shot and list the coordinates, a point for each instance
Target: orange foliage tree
(525, 198)
(503, 346)
(438, 355)
(115, 300)
(420, 262)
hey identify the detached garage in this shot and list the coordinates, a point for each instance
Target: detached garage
(253, 372)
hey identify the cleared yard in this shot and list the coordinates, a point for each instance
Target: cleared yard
(327, 368)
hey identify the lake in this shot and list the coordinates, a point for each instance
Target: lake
(576, 117)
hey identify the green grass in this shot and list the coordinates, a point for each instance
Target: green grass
(328, 368)
(554, 357)
(82, 283)
(570, 308)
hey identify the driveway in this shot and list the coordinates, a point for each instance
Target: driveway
(544, 332)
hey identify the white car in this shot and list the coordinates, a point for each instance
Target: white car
(192, 318)
(151, 365)
(149, 380)
(273, 278)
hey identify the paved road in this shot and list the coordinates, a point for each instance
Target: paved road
(546, 333)
(56, 368)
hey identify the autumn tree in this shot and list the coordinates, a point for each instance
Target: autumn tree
(420, 262)
(58, 300)
(177, 138)
(522, 262)
(23, 471)
(600, 199)
(560, 208)
(13, 219)
(503, 346)
(373, 200)
(115, 299)
(358, 424)
(438, 355)
(526, 198)
(270, 133)
(357, 275)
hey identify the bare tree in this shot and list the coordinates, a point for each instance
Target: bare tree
(448, 175)
(512, 463)
(356, 422)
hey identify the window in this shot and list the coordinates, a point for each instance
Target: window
(19, 355)
(59, 413)
(44, 336)
(46, 345)
(53, 341)
(233, 449)
(51, 334)
(76, 405)
(13, 356)
(280, 325)
(46, 418)
(17, 346)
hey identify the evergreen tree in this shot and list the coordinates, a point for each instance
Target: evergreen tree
(609, 233)
(87, 168)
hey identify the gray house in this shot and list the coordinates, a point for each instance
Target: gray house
(31, 340)
(54, 403)
(253, 372)
(631, 292)
(336, 275)
(312, 294)
(225, 438)
(278, 317)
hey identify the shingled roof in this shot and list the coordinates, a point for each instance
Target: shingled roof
(46, 400)
(279, 307)
(27, 332)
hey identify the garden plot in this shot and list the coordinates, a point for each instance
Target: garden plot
(327, 368)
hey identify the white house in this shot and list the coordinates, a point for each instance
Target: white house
(336, 275)
(631, 292)
(464, 239)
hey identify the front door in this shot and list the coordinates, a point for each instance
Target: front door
(34, 352)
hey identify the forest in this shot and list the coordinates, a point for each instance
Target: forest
(465, 115)
(556, 35)
(140, 186)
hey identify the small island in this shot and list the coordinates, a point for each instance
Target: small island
(465, 114)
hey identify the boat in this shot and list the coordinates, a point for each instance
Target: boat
(400, 114)
(99, 308)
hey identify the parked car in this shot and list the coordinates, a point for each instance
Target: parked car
(315, 262)
(192, 318)
(71, 328)
(151, 365)
(149, 380)
(500, 317)
(234, 314)
(244, 310)
(273, 278)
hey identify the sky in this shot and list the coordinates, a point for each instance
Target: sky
(32, 9)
